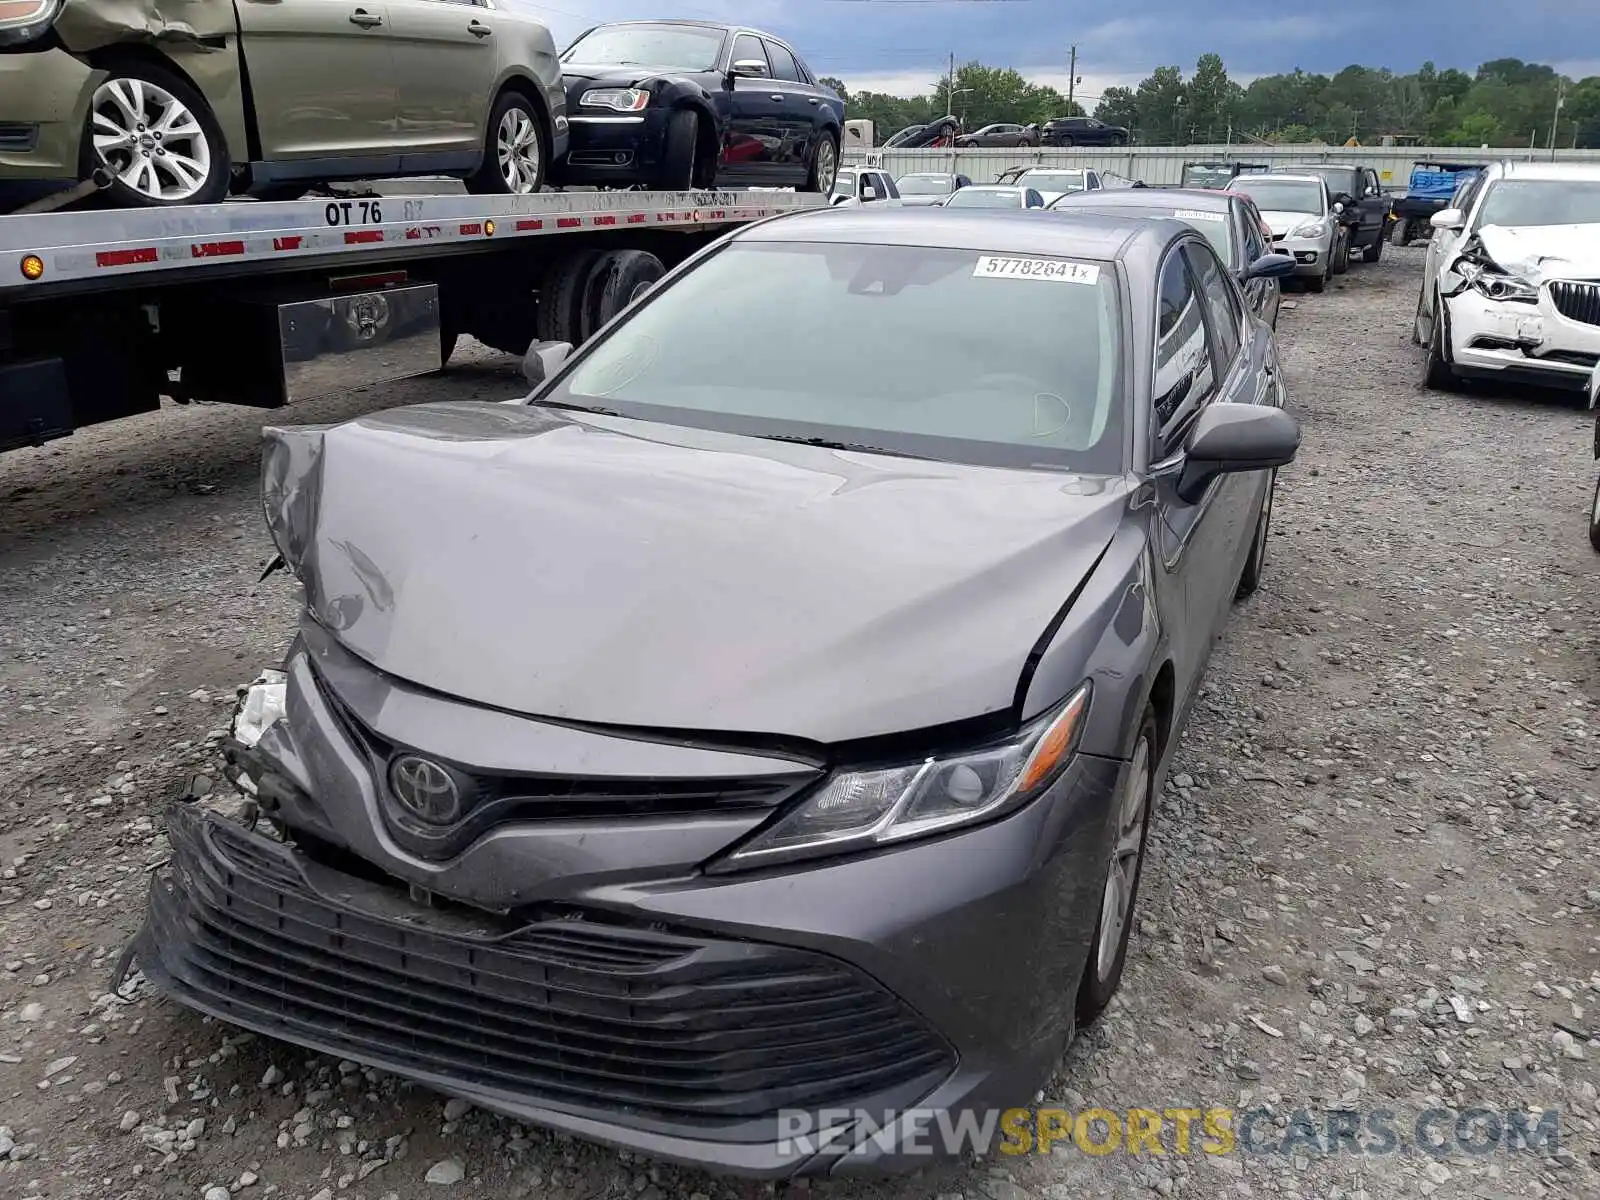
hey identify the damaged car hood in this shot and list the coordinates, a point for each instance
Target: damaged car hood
(624, 573)
(1544, 251)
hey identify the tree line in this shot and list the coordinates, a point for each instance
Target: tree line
(1505, 103)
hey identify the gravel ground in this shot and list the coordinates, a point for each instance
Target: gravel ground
(1373, 884)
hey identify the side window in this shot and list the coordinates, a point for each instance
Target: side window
(746, 46)
(890, 188)
(1184, 376)
(1226, 314)
(783, 64)
(1371, 177)
(869, 187)
(1254, 244)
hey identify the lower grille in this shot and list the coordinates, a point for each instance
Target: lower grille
(17, 137)
(1576, 301)
(568, 1013)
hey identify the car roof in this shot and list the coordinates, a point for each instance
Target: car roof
(1302, 168)
(1291, 176)
(1150, 198)
(1071, 235)
(1574, 171)
(998, 187)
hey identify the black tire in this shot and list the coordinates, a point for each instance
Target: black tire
(1594, 517)
(679, 152)
(275, 192)
(1437, 374)
(490, 177)
(1099, 985)
(1375, 251)
(615, 281)
(1341, 254)
(447, 346)
(1066, 139)
(219, 169)
(1256, 563)
(814, 170)
(563, 294)
(1401, 234)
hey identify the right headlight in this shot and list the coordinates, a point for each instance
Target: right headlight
(1310, 229)
(858, 810)
(23, 20)
(620, 99)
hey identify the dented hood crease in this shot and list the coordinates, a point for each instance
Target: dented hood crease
(617, 572)
(90, 24)
(1539, 252)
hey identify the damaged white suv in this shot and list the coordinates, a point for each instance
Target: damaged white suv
(1511, 289)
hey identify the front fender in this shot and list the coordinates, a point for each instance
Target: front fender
(1111, 635)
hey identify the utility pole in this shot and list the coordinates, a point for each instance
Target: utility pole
(950, 86)
(1561, 99)
(1072, 76)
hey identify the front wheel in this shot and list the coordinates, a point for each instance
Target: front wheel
(157, 137)
(1130, 826)
(1375, 251)
(1594, 517)
(1341, 254)
(1256, 563)
(1438, 375)
(824, 165)
(678, 151)
(1402, 231)
(513, 152)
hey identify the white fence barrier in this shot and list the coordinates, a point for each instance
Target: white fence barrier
(1164, 164)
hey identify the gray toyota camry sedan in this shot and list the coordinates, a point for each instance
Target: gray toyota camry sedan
(756, 726)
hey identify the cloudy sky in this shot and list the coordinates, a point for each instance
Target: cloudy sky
(900, 45)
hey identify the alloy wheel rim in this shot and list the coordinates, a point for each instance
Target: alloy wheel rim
(517, 147)
(827, 166)
(149, 139)
(1116, 904)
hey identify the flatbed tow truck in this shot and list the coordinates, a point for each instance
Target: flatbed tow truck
(103, 312)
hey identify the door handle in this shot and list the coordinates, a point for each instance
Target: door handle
(778, 96)
(365, 19)
(811, 99)
(478, 29)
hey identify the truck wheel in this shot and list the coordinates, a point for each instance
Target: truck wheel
(513, 152)
(157, 137)
(1375, 251)
(678, 152)
(616, 281)
(560, 313)
(1402, 231)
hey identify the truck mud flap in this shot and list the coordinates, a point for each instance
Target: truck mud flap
(35, 403)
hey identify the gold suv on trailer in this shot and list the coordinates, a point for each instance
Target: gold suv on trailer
(183, 103)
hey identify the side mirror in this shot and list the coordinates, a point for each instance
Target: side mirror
(1450, 218)
(542, 359)
(1338, 207)
(1269, 266)
(1231, 438)
(749, 68)
(1371, 191)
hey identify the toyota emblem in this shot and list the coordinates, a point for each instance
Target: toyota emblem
(425, 789)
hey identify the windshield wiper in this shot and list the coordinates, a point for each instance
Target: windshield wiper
(831, 444)
(571, 407)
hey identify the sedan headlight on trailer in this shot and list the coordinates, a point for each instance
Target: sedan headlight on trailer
(1311, 229)
(867, 809)
(23, 20)
(617, 99)
(1491, 281)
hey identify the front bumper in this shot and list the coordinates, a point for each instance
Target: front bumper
(1554, 343)
(684, 1015)
(613, 148)
(1310, 254)
(44, 102)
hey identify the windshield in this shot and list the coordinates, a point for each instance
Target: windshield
(923, 185)
(984, 198)
(680, 46)
(945, 354)
(905, 135)
(1514, 202)
(1213, 224)
(1053, 181)
(1281, 195)
(1207, 177)
(1338, 179)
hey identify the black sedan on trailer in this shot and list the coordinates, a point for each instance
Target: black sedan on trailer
(697, 748)
(691, 104)
(1230, 221)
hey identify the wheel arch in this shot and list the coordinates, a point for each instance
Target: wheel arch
(526, 87)
(221, 83)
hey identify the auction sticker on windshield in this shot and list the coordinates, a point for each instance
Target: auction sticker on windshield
(1194, 214)
(1056, 270)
